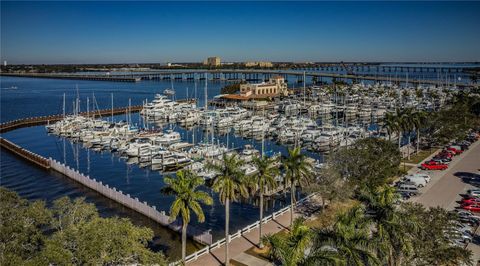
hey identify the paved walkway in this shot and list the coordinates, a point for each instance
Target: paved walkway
(243, 243)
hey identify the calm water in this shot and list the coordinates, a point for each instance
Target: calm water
(35, 97)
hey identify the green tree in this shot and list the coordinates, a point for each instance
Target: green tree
(230, 185)
(433, 241)
(21, 237)
(263, 181)
(390, 123)
(368, 162)
(395, 228)
(349, 237)
(330, 186)
(184, 187)
(407, 124)
(419, 118)
(82, 237)
(294, 247)
(70, 233)
(298, 171)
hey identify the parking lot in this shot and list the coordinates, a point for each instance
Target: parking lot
(447, 187)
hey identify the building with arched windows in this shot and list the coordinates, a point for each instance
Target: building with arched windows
(276, 86)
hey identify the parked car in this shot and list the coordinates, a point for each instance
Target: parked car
(410, 189)
(455, 150)
(416, 180)
(472, 207)
(424, 175)
(442, 160)
(473, 192)
(470, 200)
(462, 213)
(432, 165)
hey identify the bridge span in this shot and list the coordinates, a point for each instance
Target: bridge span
(249, 75)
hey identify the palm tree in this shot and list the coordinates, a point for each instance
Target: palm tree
(229, 183)
(390, 124)
(349, 237)
(187, 198)
(395, 228)
(407, 124)
(264, 180)
(298, 171)
(400, 122)
(290, 248)
(418, 120)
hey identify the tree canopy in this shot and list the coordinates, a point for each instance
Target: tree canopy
(71, 232)
(368, 162)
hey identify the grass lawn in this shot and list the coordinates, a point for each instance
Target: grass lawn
(417, 158)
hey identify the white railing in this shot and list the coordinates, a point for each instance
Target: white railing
(132, 203)
(194, 256)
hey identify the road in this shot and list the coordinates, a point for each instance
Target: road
(446, 187)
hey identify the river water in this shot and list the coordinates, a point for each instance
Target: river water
(34, 97)
(28, 97)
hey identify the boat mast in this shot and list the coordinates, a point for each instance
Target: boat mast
(78, 101)
(304, 90)
(112, 106)
(206, 95)
(63, 108)
(195, 90)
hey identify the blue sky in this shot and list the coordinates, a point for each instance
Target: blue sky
(117, 32)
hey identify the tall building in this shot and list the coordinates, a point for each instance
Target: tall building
(212, 61)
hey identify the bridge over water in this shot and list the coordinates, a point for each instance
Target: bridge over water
(260, 75)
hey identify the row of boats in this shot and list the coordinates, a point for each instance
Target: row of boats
(161, 150)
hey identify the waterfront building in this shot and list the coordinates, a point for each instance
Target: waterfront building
(258, 64)
(212, 61)
(276, 86)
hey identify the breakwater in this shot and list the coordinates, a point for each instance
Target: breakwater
(203, 237)
(25, 154)
(77, 77)
(42, 120)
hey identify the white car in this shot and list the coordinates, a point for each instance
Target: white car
(417, 180)
(426, 176)
(474, 192)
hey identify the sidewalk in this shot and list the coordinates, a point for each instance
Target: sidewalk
(243, 243)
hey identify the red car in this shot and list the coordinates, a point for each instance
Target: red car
(445, 153)
(456, 151)
(432, 165)
(470, 201)
(473, 207)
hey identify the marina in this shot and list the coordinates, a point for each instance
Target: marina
(167, 135)
(236, 133)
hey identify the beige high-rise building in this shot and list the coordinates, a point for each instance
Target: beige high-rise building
(212, 61)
